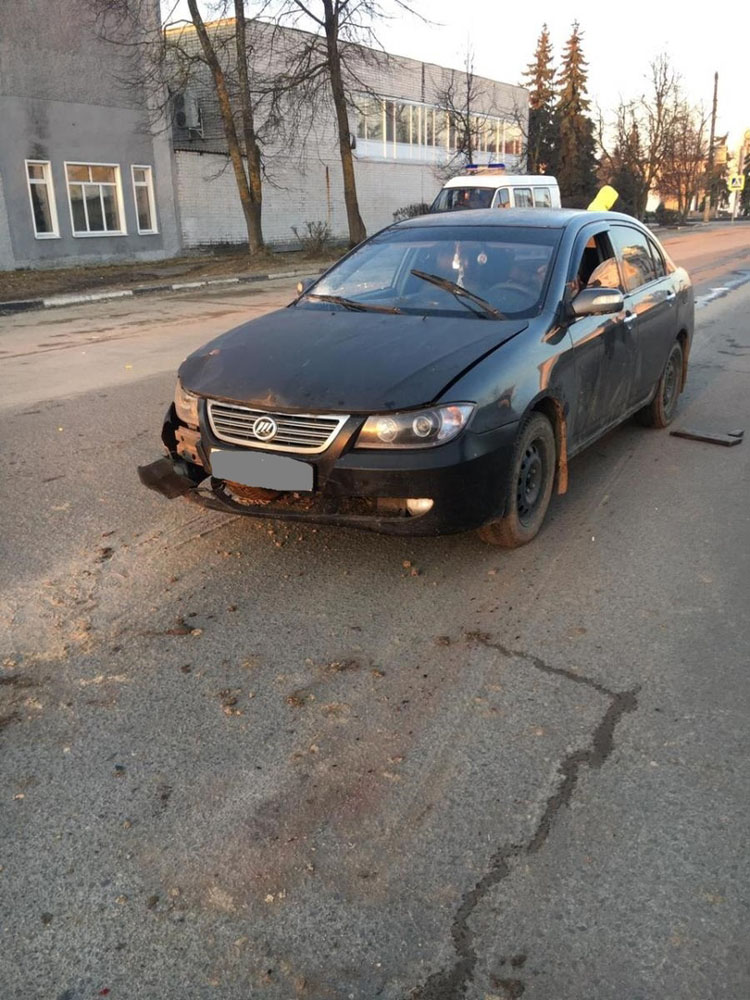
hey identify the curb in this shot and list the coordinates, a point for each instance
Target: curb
(57, 301)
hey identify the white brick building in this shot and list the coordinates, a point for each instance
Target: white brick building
(402, 139)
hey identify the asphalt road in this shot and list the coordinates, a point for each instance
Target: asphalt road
(243, 759)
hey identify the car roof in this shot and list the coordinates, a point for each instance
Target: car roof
(499, 180)
(531, 218)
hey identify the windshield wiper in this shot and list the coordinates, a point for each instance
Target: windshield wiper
(461, 293)
(352, 304)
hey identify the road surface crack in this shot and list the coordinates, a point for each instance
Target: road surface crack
(484, 639)
(451, 983)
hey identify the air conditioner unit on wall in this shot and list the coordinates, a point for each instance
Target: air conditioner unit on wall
(187, 112)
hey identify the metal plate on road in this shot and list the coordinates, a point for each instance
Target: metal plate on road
(266, 471)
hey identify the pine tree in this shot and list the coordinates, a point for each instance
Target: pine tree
(576, 166)
(541, 146)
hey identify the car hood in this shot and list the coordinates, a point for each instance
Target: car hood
(353, 362)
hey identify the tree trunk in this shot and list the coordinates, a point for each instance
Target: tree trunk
(641, 200)
(357, 231)
(250, 211)
(252, 149)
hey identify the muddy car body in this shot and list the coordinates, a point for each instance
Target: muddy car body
(415, 392)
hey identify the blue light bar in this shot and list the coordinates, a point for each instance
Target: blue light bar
(484, 166)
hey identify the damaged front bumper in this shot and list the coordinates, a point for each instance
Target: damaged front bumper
(466, 480)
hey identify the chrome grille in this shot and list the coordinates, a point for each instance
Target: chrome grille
(309, 433)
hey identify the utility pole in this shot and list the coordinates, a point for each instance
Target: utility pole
(710, 170)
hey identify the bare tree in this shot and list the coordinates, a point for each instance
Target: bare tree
(462, 97)
(683, 171)
(249, 185)
(342, 42)
(166, 60)
(638, 140)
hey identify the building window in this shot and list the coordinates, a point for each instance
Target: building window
(42, 199)
(143, 189)
(95, 199)
(513, 141)
(411, 130)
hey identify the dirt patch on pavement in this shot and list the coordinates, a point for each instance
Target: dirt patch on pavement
(29, 284)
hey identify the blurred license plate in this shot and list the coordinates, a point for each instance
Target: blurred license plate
(268, 472)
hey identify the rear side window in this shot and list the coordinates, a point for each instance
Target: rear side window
(542, 198)
(660, 267)
(523, 198)
(638, 267)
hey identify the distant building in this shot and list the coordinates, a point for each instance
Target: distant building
(401, 137)
(81, 178)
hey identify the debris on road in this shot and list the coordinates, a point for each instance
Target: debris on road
(229, 699)
(298, 699)
(711, 437)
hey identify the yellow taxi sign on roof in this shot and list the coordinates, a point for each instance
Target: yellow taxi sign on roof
(604, 200)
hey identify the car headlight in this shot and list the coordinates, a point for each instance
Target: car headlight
(186, 405)
(416, 429)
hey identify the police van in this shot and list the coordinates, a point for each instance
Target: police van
(491, 186)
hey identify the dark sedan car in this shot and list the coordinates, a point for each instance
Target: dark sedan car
(437, 378)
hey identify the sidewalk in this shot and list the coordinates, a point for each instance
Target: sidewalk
(56, 301)
(23, 291)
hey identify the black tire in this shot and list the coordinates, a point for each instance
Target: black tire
(529, 486)
(662, 408)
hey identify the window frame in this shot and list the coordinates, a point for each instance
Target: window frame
(81, 234)
(50, 185)
(547, 191)
(149, 185)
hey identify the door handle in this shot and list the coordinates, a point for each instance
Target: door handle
(630, 318)
(671, 296)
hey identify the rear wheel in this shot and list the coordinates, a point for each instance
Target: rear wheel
(661, 410)
(530, 486)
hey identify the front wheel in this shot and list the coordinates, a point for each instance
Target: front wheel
(661, 410)
(530, 486)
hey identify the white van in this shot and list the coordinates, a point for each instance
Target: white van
(492, 187)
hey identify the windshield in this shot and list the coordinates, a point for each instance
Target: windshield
(455, 198)
(506, 267)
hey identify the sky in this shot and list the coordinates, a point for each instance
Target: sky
(619, 42)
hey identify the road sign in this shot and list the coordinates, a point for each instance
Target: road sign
(736, 182)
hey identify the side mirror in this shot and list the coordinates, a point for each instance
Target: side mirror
(597, 302)
(304, 284)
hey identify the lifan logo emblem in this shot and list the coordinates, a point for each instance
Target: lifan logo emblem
(265, 428)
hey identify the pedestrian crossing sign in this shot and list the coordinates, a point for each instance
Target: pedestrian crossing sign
(736, 182)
